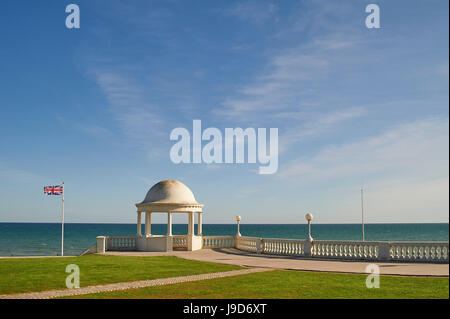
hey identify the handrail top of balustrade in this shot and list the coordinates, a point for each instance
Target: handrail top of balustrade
(126, 237)
(284, 239)
(227, 237)
(392, 243)
(314, 241)
(248, 237)
(349, 242)
(418, 242)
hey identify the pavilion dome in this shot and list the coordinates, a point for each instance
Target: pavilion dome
(170, 192)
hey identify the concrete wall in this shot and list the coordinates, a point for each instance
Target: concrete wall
(154, 243)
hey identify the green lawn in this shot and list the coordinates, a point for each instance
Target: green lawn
(39, 274)
(292, 284)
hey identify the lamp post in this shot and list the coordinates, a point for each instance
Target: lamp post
(309, 218)
(238, 219)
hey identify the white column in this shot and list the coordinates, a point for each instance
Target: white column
(139, 224)
(199, 224)
(191, 224)
(238, 230)
(308, 248)
(148, 223)
(101, 244)
(309, 231)
(169, 223)
(384, 251)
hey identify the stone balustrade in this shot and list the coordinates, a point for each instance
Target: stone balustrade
(121, 243)
(248, 244)
(436, 252)
(179, 241)
(346, 249)
(276, 246)
(272, 246)
(416, 251)
(218, 242)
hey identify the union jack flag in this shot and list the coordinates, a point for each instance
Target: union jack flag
(54, 190)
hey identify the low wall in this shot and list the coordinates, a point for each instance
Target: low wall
(179, 241)
(218, 242)
(154, 243)
(434, 252)
(121, 243)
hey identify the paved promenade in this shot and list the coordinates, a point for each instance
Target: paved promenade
(128, 285)
(236, 257)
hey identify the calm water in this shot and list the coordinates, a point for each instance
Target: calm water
(36, 239)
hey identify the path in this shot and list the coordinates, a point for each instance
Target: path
(128, 285)
(237, 257)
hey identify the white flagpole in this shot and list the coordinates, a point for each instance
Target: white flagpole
(62, 224)
(362, 213)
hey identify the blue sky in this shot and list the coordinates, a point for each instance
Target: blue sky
(94, 107)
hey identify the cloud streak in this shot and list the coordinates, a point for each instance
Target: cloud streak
(420, 147)
(140, 120)
(312, 125)
(256, 12)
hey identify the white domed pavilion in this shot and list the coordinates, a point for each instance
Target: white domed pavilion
(171, 192)
(171, 197)
(167, 197)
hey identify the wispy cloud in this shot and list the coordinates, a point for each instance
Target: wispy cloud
(291, 77)
(313, 43)
(314, 124)
(337, 41)
(279, 89)
(22, 176)
(256, 12)
(138, 119)
(420, 147)
(86, 127)
(95, 130)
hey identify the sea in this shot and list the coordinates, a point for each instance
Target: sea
(44, 239)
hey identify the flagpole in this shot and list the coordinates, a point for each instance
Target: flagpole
(362, 213)
(62, 224)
